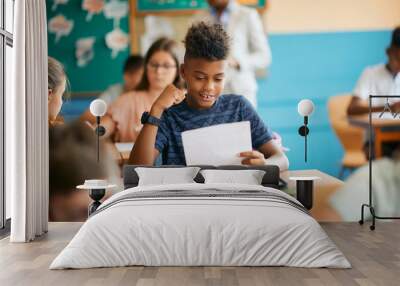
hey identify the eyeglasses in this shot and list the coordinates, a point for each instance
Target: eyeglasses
(156, 66)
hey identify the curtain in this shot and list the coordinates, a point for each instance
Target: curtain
(27, 124)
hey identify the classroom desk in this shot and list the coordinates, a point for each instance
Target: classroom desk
(121, 157)
(323, 190)
(378, 124)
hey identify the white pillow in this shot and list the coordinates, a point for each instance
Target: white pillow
(164, 176)
(248, 177)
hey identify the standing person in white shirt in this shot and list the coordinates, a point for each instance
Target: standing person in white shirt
(382, 79)
(250, 49)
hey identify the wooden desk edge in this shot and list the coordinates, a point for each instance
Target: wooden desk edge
(326, 179)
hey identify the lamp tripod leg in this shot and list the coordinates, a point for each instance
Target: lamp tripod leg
(372, 210)
(361, 221)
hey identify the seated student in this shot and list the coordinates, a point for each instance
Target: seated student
(57, 81)
(382, 79)
(132, 74)
(122, 121)
(72, 160)
(205, 62)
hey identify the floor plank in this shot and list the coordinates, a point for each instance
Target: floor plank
(374, 255)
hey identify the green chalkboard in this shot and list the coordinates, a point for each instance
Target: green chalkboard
(102, 70)
(154, 6)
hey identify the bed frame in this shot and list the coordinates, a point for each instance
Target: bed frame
(270, 179)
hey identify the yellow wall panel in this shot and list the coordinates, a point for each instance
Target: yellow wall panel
(288, 16)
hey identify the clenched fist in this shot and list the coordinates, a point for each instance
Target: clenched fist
(170, 96)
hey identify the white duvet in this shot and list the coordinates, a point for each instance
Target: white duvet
(188, 231)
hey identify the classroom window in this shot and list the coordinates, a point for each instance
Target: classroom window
(9, 15)
(6, 64)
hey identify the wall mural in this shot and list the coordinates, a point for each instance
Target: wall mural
(92, 7)
(60, 26)
(89, 37)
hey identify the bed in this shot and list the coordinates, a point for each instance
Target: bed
(201, 224)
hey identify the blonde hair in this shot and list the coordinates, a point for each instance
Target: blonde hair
(56, 74)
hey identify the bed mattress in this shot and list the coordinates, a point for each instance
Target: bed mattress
(201, 225)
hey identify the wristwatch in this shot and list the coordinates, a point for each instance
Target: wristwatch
(147, 118)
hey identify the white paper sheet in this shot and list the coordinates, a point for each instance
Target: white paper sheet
(124, 146)
(218, 144)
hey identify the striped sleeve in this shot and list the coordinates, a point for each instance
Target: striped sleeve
(162, 135)
(260, 133)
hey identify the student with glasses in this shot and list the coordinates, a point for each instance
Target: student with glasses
(122, 121)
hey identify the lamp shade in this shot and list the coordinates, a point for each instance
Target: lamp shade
(98, 107)
(305, 107)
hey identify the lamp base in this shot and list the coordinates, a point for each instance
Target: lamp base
(304, 193)
(96, 195)
(305, 190)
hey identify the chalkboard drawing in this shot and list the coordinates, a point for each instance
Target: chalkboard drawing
(155, 28)
(60, 26)
(116, 10)
(58, 2)
(92, 7)
(117, 40)
(84, 50)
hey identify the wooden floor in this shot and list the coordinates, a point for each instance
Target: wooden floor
(375, 257)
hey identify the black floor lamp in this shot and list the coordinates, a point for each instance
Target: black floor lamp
(97, 188)
(305, 108)
(304, 184)
(98, 108)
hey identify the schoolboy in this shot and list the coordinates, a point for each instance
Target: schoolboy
(205, 62)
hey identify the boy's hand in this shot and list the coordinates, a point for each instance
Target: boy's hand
(253, 157)
(170, 96)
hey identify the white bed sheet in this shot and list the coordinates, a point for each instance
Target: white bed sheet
(200, 231)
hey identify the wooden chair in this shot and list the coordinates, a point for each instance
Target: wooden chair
(350, 137)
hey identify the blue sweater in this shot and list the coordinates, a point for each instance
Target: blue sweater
(226, 109)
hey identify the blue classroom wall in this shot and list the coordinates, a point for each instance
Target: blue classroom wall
(314, 66)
